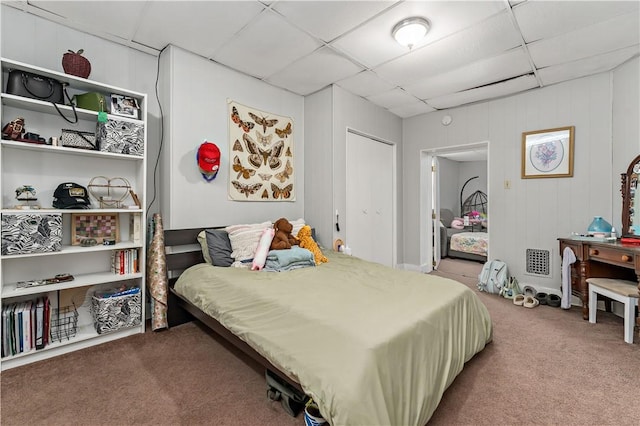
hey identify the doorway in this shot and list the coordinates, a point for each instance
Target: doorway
(446, 179)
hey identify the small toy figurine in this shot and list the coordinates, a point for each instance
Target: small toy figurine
(27, 195)
(14, 129)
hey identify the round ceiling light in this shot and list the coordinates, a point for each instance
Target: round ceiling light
(410, 31)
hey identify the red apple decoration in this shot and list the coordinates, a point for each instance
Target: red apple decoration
(75, 64)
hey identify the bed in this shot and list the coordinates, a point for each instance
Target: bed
(370, 344)
(469, 245)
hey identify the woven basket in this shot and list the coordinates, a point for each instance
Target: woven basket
(75, 64)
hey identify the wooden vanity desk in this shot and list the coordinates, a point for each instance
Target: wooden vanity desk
(601, 260)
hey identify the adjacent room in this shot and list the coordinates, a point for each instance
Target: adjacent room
(319, 212)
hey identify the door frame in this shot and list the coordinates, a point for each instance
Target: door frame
(426, 198)
(394, 189)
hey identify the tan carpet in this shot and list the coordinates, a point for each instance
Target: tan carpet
(544, 366)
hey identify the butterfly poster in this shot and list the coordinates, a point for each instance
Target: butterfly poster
(261, 155)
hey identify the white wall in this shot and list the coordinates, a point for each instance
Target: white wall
(449, 187)
(534, 212)
(196, 109)
(36, 41)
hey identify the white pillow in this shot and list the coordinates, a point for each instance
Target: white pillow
(297, 225)
(245, 238)
(260, 256)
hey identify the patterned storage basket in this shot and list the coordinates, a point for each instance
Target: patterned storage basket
(122, 137)
(114, 313)
(31, 233)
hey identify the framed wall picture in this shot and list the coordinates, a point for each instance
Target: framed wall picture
(547, 153)
(96, 226)
(124, 106)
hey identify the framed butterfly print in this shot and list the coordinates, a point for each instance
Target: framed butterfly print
(261, 161)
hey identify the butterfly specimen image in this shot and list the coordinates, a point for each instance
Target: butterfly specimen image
(281, 192)
(268, 157)
(286, 173)
(264, 140)
(246, 189)
(237, 167)
(262, 121)
(265, 194)
(284, 133)
(288, 153)
(237, 146)
(245, 125)
(264, 176)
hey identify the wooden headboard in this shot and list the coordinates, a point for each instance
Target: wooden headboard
(179, 256)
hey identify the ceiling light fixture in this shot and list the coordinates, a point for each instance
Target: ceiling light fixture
(410, 31)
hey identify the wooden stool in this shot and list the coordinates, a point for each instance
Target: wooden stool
(621, 290)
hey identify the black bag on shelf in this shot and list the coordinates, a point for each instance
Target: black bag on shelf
(34, 86)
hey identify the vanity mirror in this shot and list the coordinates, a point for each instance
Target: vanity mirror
(631, 200)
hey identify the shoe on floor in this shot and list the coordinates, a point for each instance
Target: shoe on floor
(530, 302)
(518, 299)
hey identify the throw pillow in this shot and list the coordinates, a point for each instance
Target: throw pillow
(260, 256)
(245, 238)
(216, 247)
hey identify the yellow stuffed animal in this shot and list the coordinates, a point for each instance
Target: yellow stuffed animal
(306, 241)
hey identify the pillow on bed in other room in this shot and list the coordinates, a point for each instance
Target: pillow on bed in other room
(216, 247)
(245, 238)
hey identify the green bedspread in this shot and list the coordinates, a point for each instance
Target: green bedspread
(372, 345)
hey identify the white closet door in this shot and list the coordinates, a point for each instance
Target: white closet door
(369, 189)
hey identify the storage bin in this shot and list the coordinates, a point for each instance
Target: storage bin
(122, 137)
(31, 233)
(111, 313)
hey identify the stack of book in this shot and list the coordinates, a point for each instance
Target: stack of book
(124, 261)
(25, 326)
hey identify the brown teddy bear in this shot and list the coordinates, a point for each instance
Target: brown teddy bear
(283, 239)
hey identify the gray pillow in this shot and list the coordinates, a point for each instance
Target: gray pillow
(219, 247)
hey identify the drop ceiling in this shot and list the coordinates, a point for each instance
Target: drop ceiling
(475, 50)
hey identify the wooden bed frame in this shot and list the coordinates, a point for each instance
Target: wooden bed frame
(179, 256)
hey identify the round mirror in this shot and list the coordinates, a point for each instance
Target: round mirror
(631, 200)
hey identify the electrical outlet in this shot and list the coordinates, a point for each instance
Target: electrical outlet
(507, 184)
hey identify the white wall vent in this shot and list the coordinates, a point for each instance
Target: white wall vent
(538, 262)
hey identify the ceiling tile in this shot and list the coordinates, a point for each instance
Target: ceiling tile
(446, 18)
(392, 98)
(491, 37)
(329, 19)
(497, 90)
(127, 15)
(365, 84)
(198, 26)
(485, 71)
(545, 19)
(260, 51)
(589, 66)
(621, 31)
(314, 72)
(409, 110)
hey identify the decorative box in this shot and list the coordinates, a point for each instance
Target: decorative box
(111, 313)
(122, 137)
(31, 233)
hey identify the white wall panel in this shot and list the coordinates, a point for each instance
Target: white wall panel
(198, 111)
(534, 212)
